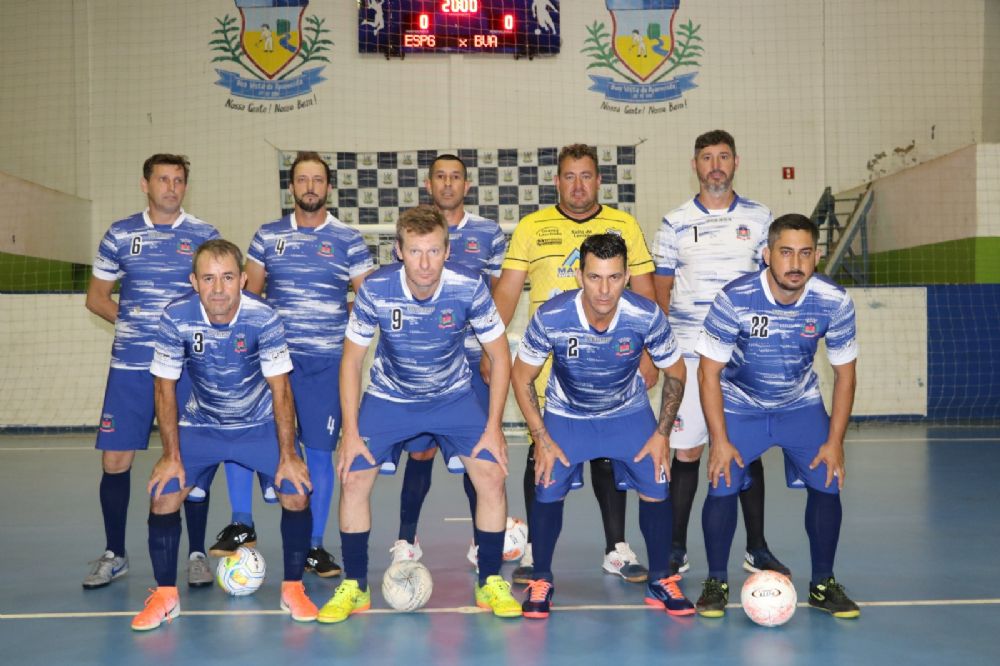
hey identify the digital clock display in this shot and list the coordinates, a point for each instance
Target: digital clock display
(400, 27)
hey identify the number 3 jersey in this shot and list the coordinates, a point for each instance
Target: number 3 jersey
(153, 263)
(420, 353)
(768, 348)
(228, 363)
(595, 373)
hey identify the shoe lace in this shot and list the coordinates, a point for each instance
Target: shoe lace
(714, 588)
(670, 585)
(627, 554)
(156, 596)
(834, 590)
(345, 592)
(538, 590)
(498, 585)
(401, 547)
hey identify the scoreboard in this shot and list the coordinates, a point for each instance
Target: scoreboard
(400, 27)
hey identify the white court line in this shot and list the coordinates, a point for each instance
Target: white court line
(470, 610)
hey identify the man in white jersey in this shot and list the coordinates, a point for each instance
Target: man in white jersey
(700, 246)
(149, 256)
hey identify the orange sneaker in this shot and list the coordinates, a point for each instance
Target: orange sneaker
(162, 604)
(295, 601)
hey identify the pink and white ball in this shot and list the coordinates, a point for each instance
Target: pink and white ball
(768, 598)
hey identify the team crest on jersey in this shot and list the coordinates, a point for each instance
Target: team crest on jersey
(624, 347)
(184, 246)
(107, 423)
(809, 329)
(678, 424)
(446, 319)
(241, 343)
(472, 246)
(326, 249)
(568, 267)
(743, 232)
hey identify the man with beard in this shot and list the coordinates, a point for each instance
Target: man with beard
(715, 237)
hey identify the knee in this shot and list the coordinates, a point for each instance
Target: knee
(168, 503)
(294, 502)
(423, 455)
(356, 487)
(116, 462)
(689, 455)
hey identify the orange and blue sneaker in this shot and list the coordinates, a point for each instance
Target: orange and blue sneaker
(347, 600)
(664, 593)
(495, 595)
(538, 599)
(296, 602)
(162, 604)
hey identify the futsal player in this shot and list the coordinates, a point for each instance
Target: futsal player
(545, 250)
(149, 256)
(241, 410)
(307, 260)
(710, 240)
(758, 390)
(421, 383)
(596, 407)
(478, 244)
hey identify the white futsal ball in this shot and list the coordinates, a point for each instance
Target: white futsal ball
(407, 585)
(241, 573)
(768, 598)
(515, 539)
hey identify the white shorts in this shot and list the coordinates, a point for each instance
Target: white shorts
(690, 429)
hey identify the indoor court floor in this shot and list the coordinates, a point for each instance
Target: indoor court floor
(919, 551)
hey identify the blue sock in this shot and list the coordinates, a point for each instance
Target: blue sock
(115, 491)
(416, 485)
(320, 464)
(548, 521)
(164, 540)
(824, 514)
(354, 547)
(490, 553)
(295, 527)
(240, 482)
(196, 514)
(656, 523)
(470, 493)
(718, 522)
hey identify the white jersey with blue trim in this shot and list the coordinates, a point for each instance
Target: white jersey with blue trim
(228, 363)
(478, 244)
(703, 250)
(596, 373)
(768, 348)
(420, 353)
(308, 273)
(152, 263)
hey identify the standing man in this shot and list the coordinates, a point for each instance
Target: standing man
(233, 347)
(478, 244)
(545, 249)
(758, 390)
(712, 239)
(149, 256)
(596, 406)
(421, 383)
(307, 261)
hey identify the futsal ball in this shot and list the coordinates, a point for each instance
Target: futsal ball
(242, 572)
(515, 539)
(407, 585)
(768, 598)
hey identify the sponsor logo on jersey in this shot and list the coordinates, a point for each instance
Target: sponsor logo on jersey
(549, 231)
(326, 249)
(241, 343)
(809, 329)
(568, 267)
(614, 232)
(107, 423)
(743, 232)
(542, 242)
(184, 247)
(678, 424)
(472, 246)
(446, 319)
(624, 347)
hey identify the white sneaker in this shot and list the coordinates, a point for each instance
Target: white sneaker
(473, 555)
(105, 569)
(403, 551)
(622, 561)
(199, 571)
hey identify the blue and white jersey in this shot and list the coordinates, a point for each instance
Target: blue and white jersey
(768, 348)
(704, 250)
(420, 354)
(480, 245)
(153, 263)
(308, 273)
(227, 363)
(596, 373)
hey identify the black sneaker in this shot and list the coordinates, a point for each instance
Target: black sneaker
(829, 596)
(678, 561)
(524, 574)
(763, 559)
(537, 599)
(322, 563)
(713, 599)
(232, 537)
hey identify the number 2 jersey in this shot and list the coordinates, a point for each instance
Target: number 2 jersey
(768, 348)
(153, 263)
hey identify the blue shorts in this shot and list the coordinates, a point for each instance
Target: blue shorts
(456, 423)
(129, 408)
(619, 438)
(425, 442)
(316, 389)
(799, 433)
(203, 448)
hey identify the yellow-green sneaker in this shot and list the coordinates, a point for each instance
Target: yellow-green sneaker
(495, 595)
(347, 600)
